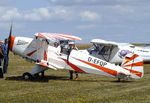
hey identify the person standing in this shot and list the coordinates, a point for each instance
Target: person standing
(70, 48)
(1, 55)
(1, 59)
(4, 50)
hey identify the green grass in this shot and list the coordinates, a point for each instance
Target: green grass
(56, 88)
(84, 46)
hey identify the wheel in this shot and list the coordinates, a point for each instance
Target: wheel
(27, 76)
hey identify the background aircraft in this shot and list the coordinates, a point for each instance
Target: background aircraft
(1, 42)
(42, 50)
(114, 52)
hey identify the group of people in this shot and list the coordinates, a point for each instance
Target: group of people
(4, 57)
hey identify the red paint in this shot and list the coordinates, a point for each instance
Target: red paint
(12, 39)
(31, 53)
(109, 71)
(134, 72)
(74, 67)
(45, 56)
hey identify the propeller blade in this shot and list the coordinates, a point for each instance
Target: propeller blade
(9, 40)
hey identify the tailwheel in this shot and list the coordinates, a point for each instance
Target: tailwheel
(27, 76)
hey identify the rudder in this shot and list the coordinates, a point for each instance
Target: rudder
(134, 64)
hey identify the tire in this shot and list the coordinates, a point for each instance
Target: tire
(27, 76)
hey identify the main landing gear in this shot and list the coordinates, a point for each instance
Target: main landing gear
(28, 76)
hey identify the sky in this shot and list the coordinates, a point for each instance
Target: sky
(114, 20)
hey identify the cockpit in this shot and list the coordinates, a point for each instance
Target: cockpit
(102, 51)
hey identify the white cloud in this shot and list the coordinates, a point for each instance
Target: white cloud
(60, 13)
(37, 14)
(89, 16)
(7, 14)
(47, 14)
(102, 16)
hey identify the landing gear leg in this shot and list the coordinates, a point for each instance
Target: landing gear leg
(42, 74)
(35, 72)
(119, 79)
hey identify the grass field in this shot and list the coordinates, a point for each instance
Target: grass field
(56, 88)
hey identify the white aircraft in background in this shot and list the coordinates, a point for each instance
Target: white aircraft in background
(114, 52)
(1, 42)
(41, 49)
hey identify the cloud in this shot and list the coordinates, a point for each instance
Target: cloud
(37, 14)
(7, 14)
(130, 17)
(89, 16)
(61, 13)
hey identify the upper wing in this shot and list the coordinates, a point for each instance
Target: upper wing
(110, 43)
(57, 36)
(103, 42)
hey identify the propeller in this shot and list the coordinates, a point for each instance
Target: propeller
(9, 40)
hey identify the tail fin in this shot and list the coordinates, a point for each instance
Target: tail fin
(134, 64)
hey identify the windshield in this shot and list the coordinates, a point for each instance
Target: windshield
(101, 51)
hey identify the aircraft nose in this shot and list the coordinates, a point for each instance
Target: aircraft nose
(12, 39)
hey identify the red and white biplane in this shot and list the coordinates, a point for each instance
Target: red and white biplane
(46, 55)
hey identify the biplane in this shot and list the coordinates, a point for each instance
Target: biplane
(42, 49)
